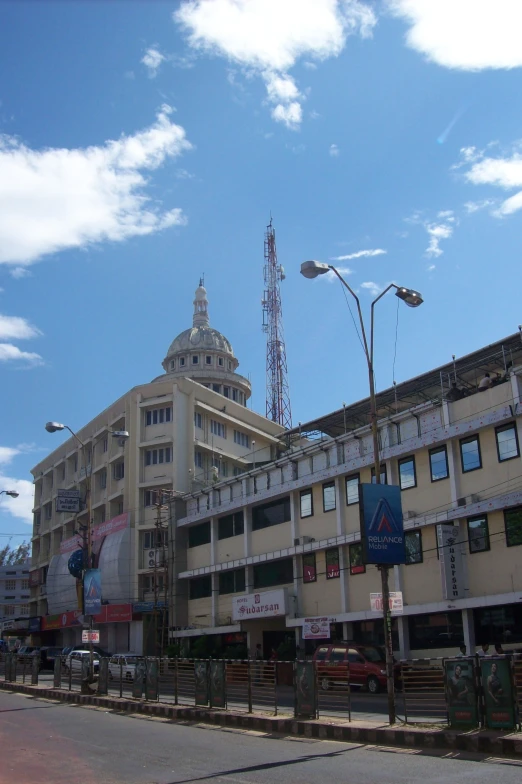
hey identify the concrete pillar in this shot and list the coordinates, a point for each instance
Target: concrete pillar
(468, 627)
(215, 599)
(348, 630)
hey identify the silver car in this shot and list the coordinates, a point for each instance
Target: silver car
(124, 663)
(73, 662)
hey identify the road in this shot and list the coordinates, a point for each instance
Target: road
(47, 743)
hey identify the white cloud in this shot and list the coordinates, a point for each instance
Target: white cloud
(21, 507)
(152, 59)
(437, 232)
(17, 328)
(334, 150)
(9, 352)
(502, 172)
(310, 66)
(466, 34)
(373, 288)
(71, 198)
(269, 36)
(20, 272)
(360, 254)
(431, 267)
(475, 206)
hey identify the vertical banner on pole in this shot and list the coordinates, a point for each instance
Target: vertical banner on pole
(35, 669)
(57, 676)
(306, 697)
(497, 685)
(218, 698)
(139, 679)
(461, 693)
(201, 682)
(103, 676)
(151, 680)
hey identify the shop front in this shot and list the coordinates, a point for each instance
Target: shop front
(262, 617)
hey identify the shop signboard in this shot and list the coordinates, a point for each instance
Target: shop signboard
(151, 679)
(461, 692)
(316, 628)
(68, 501)
(90, 636)
(218, 698)
(268, 604)
(139, 679)
(382, 531)
(201, 682)
(497, 685)
(450, 559)
(305, 690)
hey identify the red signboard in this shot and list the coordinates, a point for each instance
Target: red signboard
(68, 545)
(110, 527)
(111, 613)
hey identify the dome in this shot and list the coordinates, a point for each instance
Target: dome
(199, 338)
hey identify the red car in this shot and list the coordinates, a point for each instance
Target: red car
(366, 663)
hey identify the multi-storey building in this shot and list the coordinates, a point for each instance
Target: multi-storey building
(187, 429)
(14, 600)
(281, 543)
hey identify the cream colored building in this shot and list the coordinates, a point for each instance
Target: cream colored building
(188, 428)
(281, 544)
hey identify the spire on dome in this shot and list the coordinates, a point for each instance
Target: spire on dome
(200, 318)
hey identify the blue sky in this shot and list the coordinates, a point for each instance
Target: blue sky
(142, 144)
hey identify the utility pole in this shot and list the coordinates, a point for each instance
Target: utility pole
(163, 498)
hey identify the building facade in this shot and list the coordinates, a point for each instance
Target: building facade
(14, 601)
(187, 429)
(281, 544)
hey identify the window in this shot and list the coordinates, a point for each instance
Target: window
(48, 511)
(356, 558)
(232, 582)
(439, 464)
(231, 525)
(502, 623)
(235, 395)
(208, 360)
(172, 364)
(470, 454)
(333, 569)
(120, 507)
(10, 585)
(384, 477)
(157, 416)
(157, 456)
(309, 568)
(198, 419)
(105, 445)
(306, 503)
(274, 513)
(119, 470)
(199, 534)
(407, 474)
(221, 361)
(226, 391)
(507, 442)
(25, 585)
(352, 489)
(329, 496)
(229, 364)
(218, 428)
(154, 539)
(413, 546)
(436, 630)
(102, 478)
(478, 534)
(150, 497)
(273, 573)
(9, 609)
(238, 471)
(241, 438)
(216, 388)
(513, 523)
(195, 359)
(182, 361)
(200, 587)
(24, 609)
(198, 459)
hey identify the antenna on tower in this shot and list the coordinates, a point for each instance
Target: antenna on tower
(277, 390)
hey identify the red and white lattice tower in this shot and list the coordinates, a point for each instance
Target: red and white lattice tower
(277, 390)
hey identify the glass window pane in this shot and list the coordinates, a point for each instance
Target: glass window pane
(309, 570)
(306, 503)
(470, 453)
(352, 489)
(356, 561)
(329, 497)
(413, 545)
(332, 563)
(438, 464)
(478, 534)
(513, 521)
(507, 442)
(383, 477)
(407, 473)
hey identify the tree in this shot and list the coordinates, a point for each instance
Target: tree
(14, 556)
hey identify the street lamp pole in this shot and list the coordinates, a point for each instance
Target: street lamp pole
(11, 493)
(311, 269)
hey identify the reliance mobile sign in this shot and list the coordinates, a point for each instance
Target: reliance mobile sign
(382, 532)
(259, 605)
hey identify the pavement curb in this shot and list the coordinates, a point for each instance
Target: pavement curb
(477, 741)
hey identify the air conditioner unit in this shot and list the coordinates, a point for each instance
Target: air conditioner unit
(409, 514)
(468, 499)
(154, 558)
(303, 540)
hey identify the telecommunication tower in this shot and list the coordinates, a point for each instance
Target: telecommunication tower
(277, 390)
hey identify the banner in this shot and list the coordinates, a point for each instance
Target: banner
(110, 526)
(305, 690)
(201, 682)
(316, 629)
(461, 693)
(395, 602)
(497, 686)
(382, 533)
(218, 698)
(139, 679)
(151, 679)
(92, 595)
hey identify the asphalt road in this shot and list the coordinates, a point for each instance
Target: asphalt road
(47, 743)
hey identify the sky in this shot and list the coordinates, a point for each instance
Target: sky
(143, 144)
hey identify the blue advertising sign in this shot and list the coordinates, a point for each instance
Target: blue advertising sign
(92, 592)
(382, 531)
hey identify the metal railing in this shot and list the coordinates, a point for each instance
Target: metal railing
(423, 690)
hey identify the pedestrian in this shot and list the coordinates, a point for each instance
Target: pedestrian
(485, 383)
(462, 651)
(483, 650)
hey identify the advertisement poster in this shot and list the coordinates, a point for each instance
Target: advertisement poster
(218, 697)
(92, 592)
(201, 682)
(305, 692)
(139, 679)
(151, 680)
(316, 628)
(498, 693)
(461, 692)
(382, 532)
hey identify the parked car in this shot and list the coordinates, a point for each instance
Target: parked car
(26, 651)
(96, 649)
(48, 654)
(367, 665)
(124, 663)
(73, 663)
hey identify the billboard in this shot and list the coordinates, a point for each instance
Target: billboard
(92, 592)
(382, 532)
(316, 628)
(461, 693)
(68, 501)
(498, 693)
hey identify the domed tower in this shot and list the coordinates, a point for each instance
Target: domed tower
(206, 356)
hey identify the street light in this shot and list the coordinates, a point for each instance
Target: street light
(312, 269)
(54, 427)
(11, 493)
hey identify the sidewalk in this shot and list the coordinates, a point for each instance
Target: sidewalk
(490, 742)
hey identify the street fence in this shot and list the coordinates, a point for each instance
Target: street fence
(461, 692)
